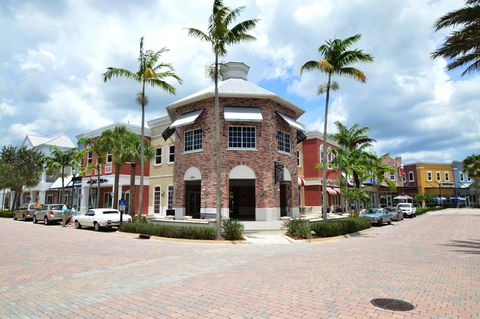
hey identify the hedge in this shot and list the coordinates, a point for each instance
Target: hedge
(298, 228)
(6, 214)
(186, 232)
(423, 210)
(340, 227)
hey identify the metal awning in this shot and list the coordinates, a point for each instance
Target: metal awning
(291, 122)
(242, 114)
(58, 182)
(182, 120)
(186, 118)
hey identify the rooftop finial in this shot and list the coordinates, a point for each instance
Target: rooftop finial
(234, 70)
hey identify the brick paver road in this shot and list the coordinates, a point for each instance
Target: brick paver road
(432, 261)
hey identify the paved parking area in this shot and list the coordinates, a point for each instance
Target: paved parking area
(431, 261)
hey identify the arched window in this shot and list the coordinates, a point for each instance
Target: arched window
(411, 177)
(329, 154)
(156, 199)
(321, 154)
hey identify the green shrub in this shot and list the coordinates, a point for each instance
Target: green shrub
(232, 229)
(298, 228)
(423, 210)
(170, 231)
(340, 227)
(6, 214)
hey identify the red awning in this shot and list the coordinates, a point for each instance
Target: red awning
(301, 181)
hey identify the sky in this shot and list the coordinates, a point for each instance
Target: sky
(53, 54)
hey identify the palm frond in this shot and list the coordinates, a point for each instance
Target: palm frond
(196, 33)
(353, 73)
(466, 15)
(309, 66)
(161, 84)
(233, 15)
(120, 73)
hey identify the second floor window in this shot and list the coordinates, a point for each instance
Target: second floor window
(299, 160)
(447, 176)
(429, 176)
(462, 177)
(171, 153)
(283, 141)
(241, 137)
(90, 157)
(109, 157)
(158, 156)
(193, 140)
(439, 178)
(411, 176)
(392, 176)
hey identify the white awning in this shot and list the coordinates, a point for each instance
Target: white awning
(242, 114)
(291, 121)
(186, 118)
(67, 180)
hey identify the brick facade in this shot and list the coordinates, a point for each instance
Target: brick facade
(261, 160)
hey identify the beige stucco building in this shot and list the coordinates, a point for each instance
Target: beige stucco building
(161, 169)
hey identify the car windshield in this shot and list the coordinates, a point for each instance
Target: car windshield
(404, 206)
(374, 210)
(110, 212)
(56, 207)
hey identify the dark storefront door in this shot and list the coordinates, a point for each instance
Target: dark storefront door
(192, 199)
(242, 199)
(284, 199)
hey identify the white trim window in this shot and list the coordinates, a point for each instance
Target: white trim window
(329, 154)
(283, 142)
(170, 197)
(447, 177)
(469, 179)
(157, 193)
(193, 140)
(462, 177)
(299, 158)
(392, 176)
(429, 176)
(90, 157)
(158, 155)
(243, 137)
(438, 176)
(109, 157)
(411, 176)
(171, 154)
(321, 154)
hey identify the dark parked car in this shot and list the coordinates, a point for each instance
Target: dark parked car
(396, 214)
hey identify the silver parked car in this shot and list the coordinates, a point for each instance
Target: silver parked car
(51, 213)
(396, 214)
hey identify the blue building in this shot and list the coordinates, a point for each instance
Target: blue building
(462, 183)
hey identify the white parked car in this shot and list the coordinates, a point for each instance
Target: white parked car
(407, 209)
(100, 218)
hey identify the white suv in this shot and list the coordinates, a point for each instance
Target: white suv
(407, 209)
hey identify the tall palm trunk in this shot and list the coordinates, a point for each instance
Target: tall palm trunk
(115, 185)
(142, 152)
(324, 170)
(131, 202)
(98, 183)
(217, 152)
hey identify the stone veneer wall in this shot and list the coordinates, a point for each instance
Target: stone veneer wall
(260, 161)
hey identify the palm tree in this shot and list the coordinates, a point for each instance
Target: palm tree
(461, 47)
(97, 145)
(150, 72)
(115, 141)
(132, 155)
(58, 161)
(219, 35)
(335, 59)
(471, 166)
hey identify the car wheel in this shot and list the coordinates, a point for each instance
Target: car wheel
(96, 226)
(77, 225)
(389, 222)
(380, 222)
(34, 219)
(45, 220)
(23, 218)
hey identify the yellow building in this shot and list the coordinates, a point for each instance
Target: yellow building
(161, 169)
(431, 178)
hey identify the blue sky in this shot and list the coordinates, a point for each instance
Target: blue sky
(54, 52)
